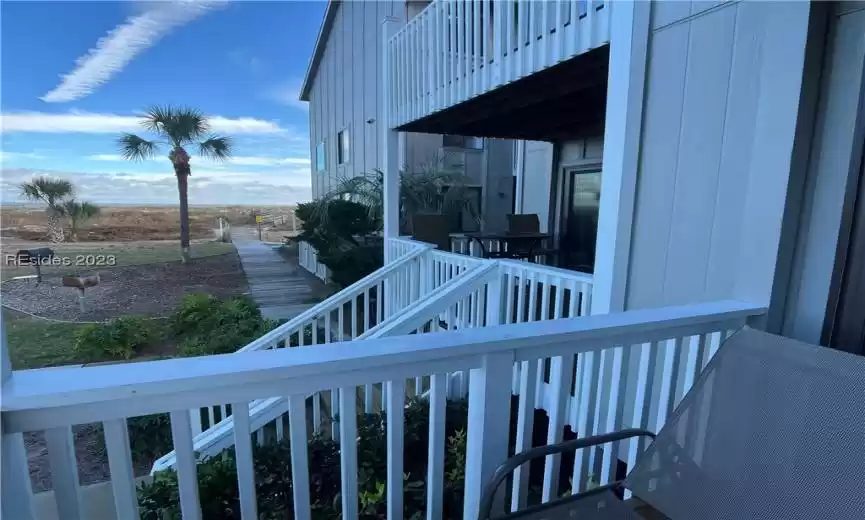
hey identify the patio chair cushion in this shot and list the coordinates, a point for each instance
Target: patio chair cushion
(773, 428)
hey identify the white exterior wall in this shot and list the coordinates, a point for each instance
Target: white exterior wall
(537, 180)
(346, 94)
(720, 112)
(346, 90)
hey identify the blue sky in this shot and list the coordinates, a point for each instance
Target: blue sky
(74, 75)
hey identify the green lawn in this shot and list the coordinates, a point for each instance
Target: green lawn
(118, 254)
(36, 343)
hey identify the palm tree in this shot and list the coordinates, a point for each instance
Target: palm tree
(52, 192)
(177, 127)
(78, 212)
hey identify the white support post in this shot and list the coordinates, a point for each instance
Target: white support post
(390, 143)
(629, 36)
(489, 416)
(15, 493)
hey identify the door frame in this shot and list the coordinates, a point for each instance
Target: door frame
(563, 193)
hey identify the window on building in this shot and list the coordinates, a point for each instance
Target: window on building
(320, 158)
(343, 147)
(460, 141)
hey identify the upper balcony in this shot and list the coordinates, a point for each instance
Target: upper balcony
(459, 60)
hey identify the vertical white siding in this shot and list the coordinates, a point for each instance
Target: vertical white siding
(346, 94)
(721, 102)
(538, 180)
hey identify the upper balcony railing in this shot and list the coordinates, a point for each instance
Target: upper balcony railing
(455, 50)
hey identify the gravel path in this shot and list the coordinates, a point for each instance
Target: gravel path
(142, 290)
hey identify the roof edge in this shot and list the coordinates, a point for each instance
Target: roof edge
(318, 50)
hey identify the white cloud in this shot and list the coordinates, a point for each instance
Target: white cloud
(269, 161)
(10, 156)
(288, 94)
(106, 157)
(122, 44)
(95, 123)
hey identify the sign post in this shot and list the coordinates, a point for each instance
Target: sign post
(258, 219)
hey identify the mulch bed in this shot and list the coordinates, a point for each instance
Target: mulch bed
(143, 290)
(90, 455)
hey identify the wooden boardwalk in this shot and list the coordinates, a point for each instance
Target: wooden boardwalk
(281, 288)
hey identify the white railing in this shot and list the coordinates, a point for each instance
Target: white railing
(307, 257)
(458, 49)
(632, 370)
(399, 247)
(352, 313)
(412, 288)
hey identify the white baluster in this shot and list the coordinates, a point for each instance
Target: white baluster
(195, 421)
(561, 32)
(525, 426)
(64, 472)
(509, 299)
(588, 25)
(367, 399)
(545, 282)
(395, 405)
(666, 383)
(187, 473)
(521, 301)
(641, 392)
(280, 428)
(120, 466)
(478, 57)
(561, 375)
(489, 416)
(334, 412)
(299, 462)
(436, 455)
(243, 453)
(316, 412)
(619, 358)
(586, 301)
(588, 406)
(16, 501)
(348, 451)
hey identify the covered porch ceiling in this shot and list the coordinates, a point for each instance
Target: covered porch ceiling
(563, 102)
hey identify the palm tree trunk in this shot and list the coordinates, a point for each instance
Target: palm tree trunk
(183, 189)
(55, 226)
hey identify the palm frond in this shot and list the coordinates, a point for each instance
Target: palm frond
(181, 125)
(80, 210)
(216, 148)
(47, 190)
(134, 148)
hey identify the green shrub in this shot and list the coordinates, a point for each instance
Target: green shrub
(217, 476)
(340, 232)
(348, 266)
(194, 311)
(120, 338)
(206, 325)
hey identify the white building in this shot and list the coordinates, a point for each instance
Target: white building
(344, 88)
(730, 192)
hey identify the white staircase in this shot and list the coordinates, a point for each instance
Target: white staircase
(423, 291)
